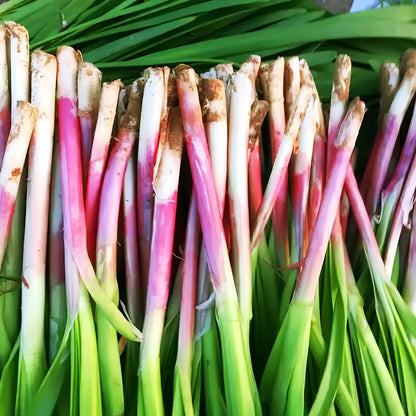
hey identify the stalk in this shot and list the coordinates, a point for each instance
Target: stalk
(339, 99)
(13, 161)
(207, 345)
(131, 249)
(133, 287)
(10, 176)
(291, 84)
(215, 116)
(336, 380)
(300, 185)
(165, 188)
(11, 267)
(237, 188)
(107, 342)
(401, 217)
(389, 78)
(32, 360)
(73, 203)
(376, 168)
(283, 380)
(259, 111)
(4, 93)
(89, 87)
(98, 159)
(281, 162)
(18, 47)
(56, 262)
(85, 393)
(272, 81)
(131, 261)
(390, 196)
(318, 166)
(183, 391)
(236, 368)
(154, 97)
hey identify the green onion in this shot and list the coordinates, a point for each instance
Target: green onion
(32, 363)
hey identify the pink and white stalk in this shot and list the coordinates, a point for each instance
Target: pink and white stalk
(154, 97)
(318, 166)
(374, 179)
(183, 367)
(98, 159)
(259, 111)
(344, 144)
(32, 346)
(13, 161)
(4, 93)
(107, 233)
(241, 99)
(236, 371)
(216, 127)
(391, 194)
(272, 81)
(213, 97)
(401, 216)
(18, 46)
(56, 261)
(85, 381)
(301, 174)
(131, 246)
(165, 189)
(281, 163)
(72, 194)
(89, 91)
(299, 316)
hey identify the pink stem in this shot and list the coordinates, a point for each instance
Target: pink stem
(277, 178)
(202, 174)
(154, 101)
(254, 181)
(164, 216)
(75, 235)
(318, 169)
(98, 159)
(309, 275)
(11, 171)
(189, 281)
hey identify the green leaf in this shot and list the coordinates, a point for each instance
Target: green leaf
(283, 381)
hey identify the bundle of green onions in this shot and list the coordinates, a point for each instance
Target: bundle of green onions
(220, 213)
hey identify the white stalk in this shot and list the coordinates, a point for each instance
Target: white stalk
(154, 102)
(32, 346)
(89, 91)
(240, 107)
(19, 64)
(215, 115)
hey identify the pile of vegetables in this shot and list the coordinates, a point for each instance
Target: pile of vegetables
(209, 237)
